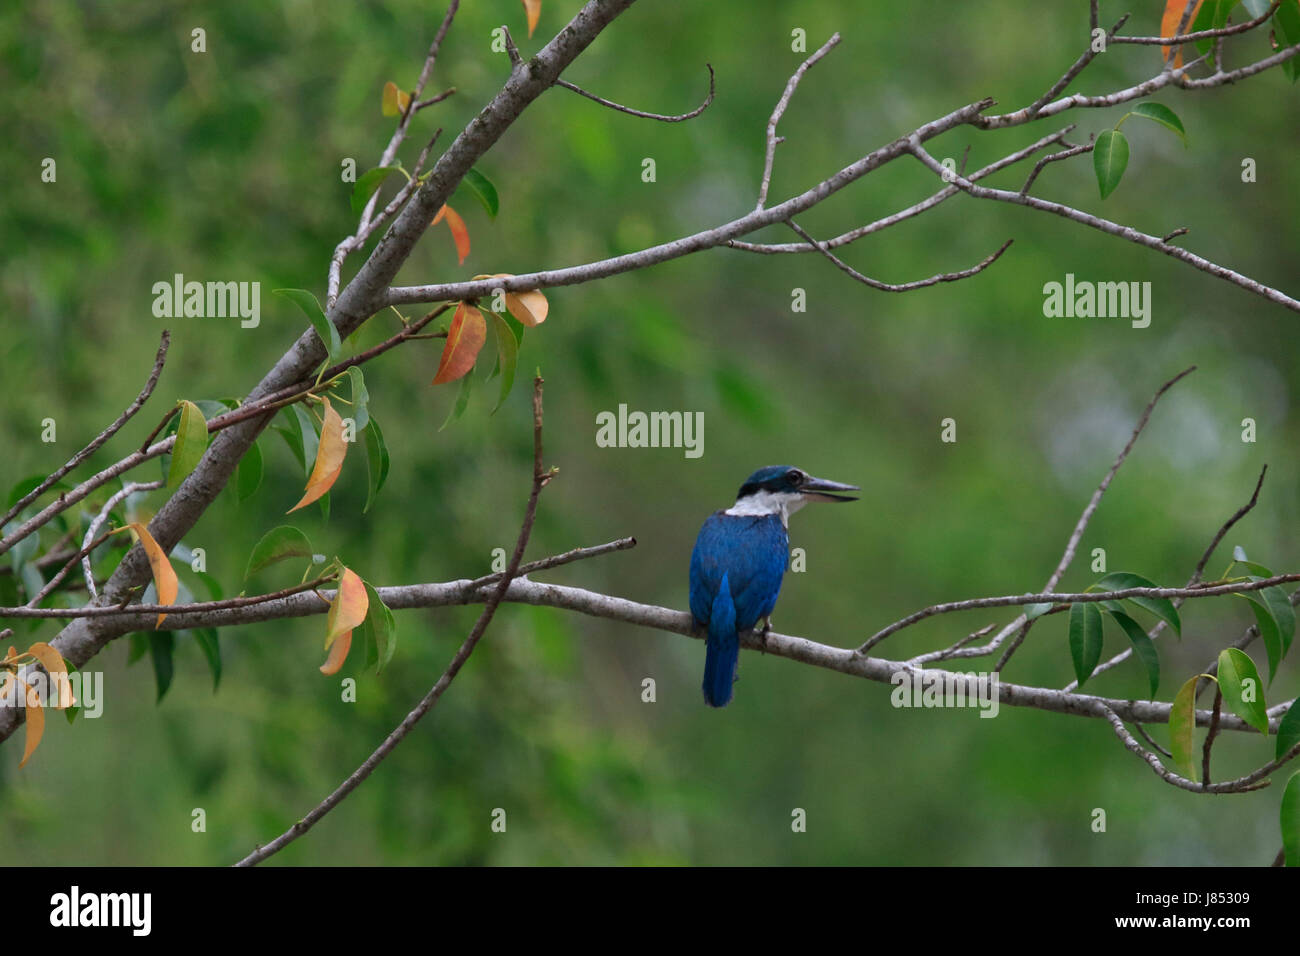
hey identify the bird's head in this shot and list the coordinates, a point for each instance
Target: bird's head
(783, 490)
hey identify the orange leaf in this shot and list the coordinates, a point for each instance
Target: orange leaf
(53, 663)
(459, 234)
(533, 9)
(338, 654)
(165, 581)
(465, 338)
(1173, 15)
(395, 101)
(35, 721)
(329, 458)
(529, 307)
(348, 608)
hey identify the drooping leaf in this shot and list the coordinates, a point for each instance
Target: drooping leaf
(1243, 691)
(329, 335)
(395, 101)
(360, 398)
(35, 721)
(367, 184)
(348, 609)
(277, 544)
(1085, 639)
(459, 233)
(533, 10)
(338, 653)
(329, 458)
(507, 355)
(1159, 113)
(307, 438)
(1269, 634)
(1182, 722)
(162, 645)
(1109, 159)
(1288, 731)
(210, 644)
(465, 338)
(1286, 30)
(1162, 608)
(379, 631)
(376, 461)
(1290, 818)
(483, 191)
(529, 307)
(191, 443)
(1034, 611)
(248, 474)
(165, 581)
(54, 665)
(461, 403)
(1169, 21)
(1143, 647)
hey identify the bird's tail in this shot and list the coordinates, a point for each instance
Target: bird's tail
(722, 648)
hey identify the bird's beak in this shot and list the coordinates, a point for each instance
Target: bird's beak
(816, 489)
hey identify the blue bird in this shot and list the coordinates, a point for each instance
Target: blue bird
(739, 561)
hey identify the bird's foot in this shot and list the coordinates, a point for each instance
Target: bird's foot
(762, 635)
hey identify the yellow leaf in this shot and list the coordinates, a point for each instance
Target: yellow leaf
(35, 722)
(165, 581)
(348, 609)
(329, 458)
(53, 663)
(1169, 26)
(338, 654)
(465, 338)
(459, 234)
(532, 9)
(395, 101)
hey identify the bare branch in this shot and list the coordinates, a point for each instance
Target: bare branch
(1180, 38)
(779, 111)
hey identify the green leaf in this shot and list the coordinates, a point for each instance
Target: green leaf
(1288, 731)
(191, 443)
(1109, 160)
(379, 631)
(1286, 29)
(307, 436)
(1257, 8)
(210, 644)
(367, 185)
(23, 489)
(1242, 690)
(1290, 816)
(1213, 15)
(1182, 721)
(462, 400)
(360, 398)
(277, 544)
(1162, 608)
(1085, 639)
(1163, 115)
(161, 646)
(376, 461)
(329, 335)
(483, 191)
(1268, 632)
(1143, 647)
(248, 473)
(507, 355)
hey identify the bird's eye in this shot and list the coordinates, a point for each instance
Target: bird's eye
(798, 477)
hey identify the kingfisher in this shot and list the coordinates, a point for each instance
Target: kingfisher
(739, 561)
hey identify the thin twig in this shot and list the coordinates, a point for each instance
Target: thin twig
(540, 478)
(779, 111)
(97, 442)
(644, 115)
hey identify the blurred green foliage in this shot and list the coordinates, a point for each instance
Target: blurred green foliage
(226, 165)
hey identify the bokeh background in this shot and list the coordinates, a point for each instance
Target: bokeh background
(226, 165)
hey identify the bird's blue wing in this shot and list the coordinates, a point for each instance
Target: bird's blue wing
(752, 552)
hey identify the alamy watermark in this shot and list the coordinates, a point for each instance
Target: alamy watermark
(635, 429)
